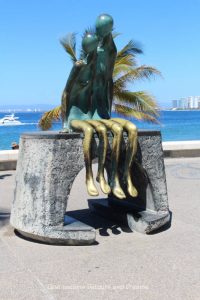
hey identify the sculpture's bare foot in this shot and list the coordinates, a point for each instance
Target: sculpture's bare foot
(91, 188)
(103, 185)
(117, 190)
(131, 189)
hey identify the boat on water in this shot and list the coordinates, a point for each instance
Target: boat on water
(10, 120)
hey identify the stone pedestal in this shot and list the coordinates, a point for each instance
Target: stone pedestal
(149, 211)
(47, 165)
(131, 216)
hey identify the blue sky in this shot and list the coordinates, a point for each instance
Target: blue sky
(34, 67)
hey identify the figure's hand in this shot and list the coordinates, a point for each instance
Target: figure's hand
(79, 63)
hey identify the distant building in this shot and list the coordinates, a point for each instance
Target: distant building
(191, 102)
(175, 103)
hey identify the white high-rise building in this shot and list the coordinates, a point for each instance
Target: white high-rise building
(182, 103)
(191, 102)
(175, 103)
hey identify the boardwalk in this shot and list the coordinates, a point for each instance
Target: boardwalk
(122, 265)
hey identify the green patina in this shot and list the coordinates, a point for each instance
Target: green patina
(89, 89)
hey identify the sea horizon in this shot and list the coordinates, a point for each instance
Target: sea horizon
(175, 125)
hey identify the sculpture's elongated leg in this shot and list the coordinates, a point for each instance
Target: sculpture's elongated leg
(117, 130)
(103, 145)
(88, 132)
(130, 153)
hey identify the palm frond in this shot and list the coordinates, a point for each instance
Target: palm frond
(128, 60)
(90, 30)
(144, 72)
(132, 112)
(132, 74)
(120, 69)
(48, 117)
(141, 101)
(69, 44)
(130, 49)
(64, 104)
(122, 80)
(119, 85)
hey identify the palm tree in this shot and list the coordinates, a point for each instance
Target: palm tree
(140, 105)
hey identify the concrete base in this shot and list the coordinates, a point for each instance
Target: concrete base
(46, 168)
(47, 165)
(73, 232)
(136, 219)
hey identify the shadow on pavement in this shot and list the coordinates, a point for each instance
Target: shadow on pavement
(4, 218)
(88, 217)
(5, 175)
(102, 224)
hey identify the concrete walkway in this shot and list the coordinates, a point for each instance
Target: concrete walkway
(122, 265)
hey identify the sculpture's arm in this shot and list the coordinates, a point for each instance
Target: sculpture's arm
(73, 75)
(71, 79)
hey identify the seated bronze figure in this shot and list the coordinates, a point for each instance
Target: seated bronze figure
(86, 107)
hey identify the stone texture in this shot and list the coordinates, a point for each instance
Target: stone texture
(49, 162)
(72, 232)
(151, 157)
(147, 221)
(149, 211)
(43, 182)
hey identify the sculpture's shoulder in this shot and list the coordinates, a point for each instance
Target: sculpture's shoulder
(110, 44)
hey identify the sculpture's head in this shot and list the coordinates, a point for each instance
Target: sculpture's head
(104, 25)
(89, 42)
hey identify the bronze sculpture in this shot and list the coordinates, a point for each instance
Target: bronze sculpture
(49, 162)
(86, 107)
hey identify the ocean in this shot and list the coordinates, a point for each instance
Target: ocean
(174, 126)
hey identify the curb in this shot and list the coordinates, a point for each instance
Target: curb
(8, 158)
(181, 149)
